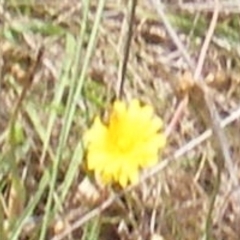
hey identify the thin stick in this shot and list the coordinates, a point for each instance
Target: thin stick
(159, 8)
(182, 105)
(206, 43)
(177, 115)
(123, 67)
(27, 84)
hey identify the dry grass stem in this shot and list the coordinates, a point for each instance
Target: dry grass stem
(207, 40)
(159, 8)
(224, 6)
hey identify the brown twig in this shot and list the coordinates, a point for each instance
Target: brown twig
(159, 8)
(177, 115)
(123, 66)
(27, 84)
(182, 105)
(205, 46)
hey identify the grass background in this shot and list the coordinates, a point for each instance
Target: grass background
(46, 104)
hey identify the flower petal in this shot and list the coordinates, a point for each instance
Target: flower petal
(130, 141)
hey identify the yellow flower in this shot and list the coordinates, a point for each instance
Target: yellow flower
(129, 142)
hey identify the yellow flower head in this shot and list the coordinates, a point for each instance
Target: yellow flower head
(129, 142)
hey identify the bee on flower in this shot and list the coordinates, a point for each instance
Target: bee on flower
(131, 141)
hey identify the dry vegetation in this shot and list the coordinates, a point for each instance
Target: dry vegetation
(57, 73)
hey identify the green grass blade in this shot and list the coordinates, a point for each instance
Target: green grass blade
(30, 207)
(68, 118)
